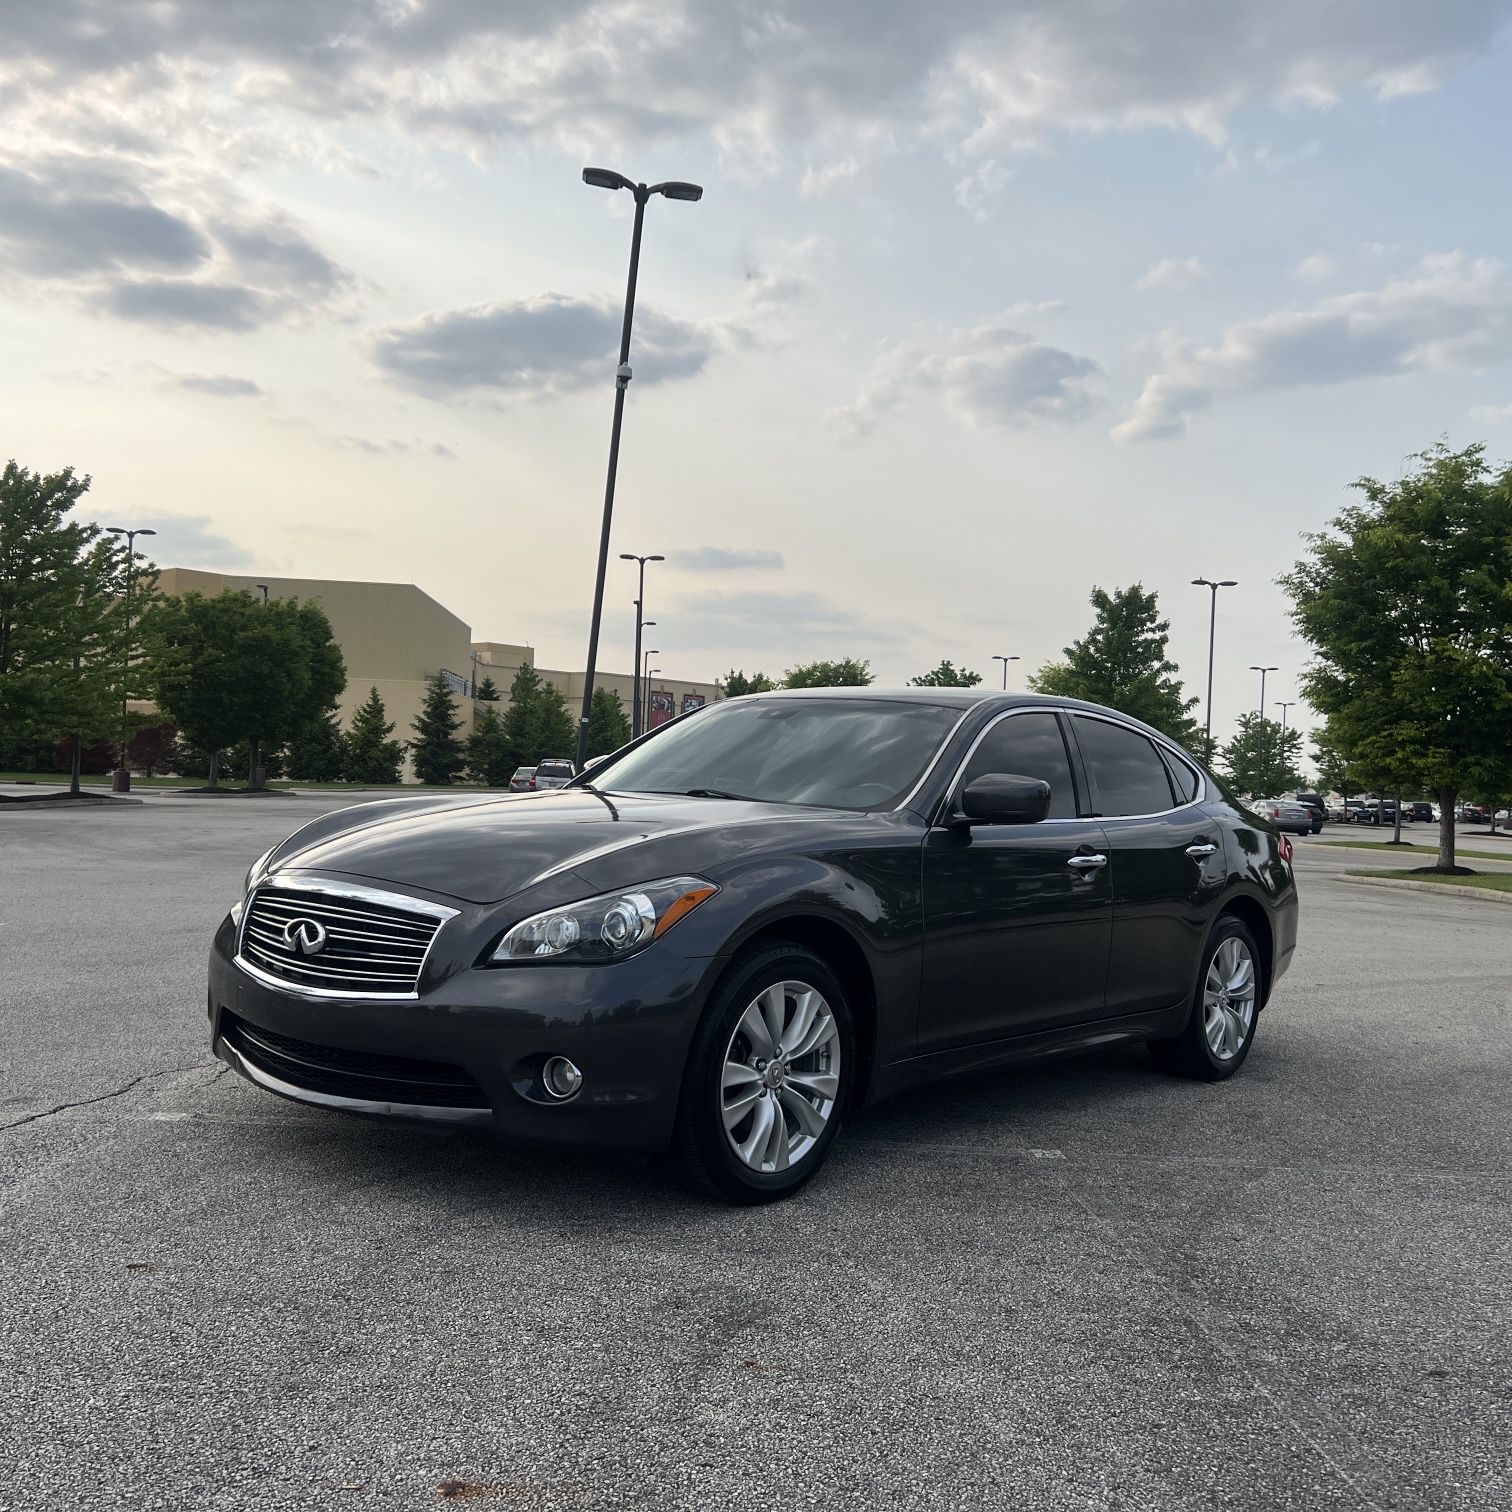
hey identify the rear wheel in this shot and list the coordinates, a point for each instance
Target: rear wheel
(768, 1077)
(1225, 1009)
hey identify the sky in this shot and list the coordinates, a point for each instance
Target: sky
(985, 303)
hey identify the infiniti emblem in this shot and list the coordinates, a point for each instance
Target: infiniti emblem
(304, 936)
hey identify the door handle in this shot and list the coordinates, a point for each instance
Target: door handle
(1201, 849)
(1087, 863)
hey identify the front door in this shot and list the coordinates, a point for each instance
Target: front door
(1017, 917)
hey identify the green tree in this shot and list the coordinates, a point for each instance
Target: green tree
(233, 668)
(1407, 603)
(371, 757)
(1336, 773)
(63, 624)
(538, 725)
(436, 752)
(487, 691)
(946, 675)
(608, 724)
(737, 684)
(317, 750)
(1262, 758)
(849, 673)
(1121, 663)
(491, 758)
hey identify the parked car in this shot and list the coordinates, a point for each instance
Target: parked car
(770, 911)
(523, 780)
(1472, 813)
(1354, 809)
(1420, 813)
(554, 774)
(1287, 815)
(1377, 811)
(1315, 806)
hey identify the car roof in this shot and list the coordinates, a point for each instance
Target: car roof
(950, 698)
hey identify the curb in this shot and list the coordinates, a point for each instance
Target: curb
(90, 800)
(1485, 894)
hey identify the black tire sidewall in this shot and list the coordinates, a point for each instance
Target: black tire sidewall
(702, 1094)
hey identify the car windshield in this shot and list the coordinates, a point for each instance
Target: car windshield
(832, 752)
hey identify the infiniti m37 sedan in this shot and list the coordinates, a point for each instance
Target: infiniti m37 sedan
(720, 938)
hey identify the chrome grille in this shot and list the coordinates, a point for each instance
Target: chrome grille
(373, 943)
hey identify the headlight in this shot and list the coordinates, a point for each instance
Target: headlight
(606, 928)
(255, 871)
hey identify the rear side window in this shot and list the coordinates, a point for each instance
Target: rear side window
(1128, 776)
(1028, 745)
(1183, 778)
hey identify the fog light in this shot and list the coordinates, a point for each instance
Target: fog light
(561, 1078)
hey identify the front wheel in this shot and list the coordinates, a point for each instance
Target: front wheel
(1225, 1009)
(768, 1077)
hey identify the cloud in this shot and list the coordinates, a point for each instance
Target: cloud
(724, 559)
(82, 221)
(991, 375)
(1492, 414)
(801, 625)
(530, 348)
(180, 302)
(1316, 267)
(218, 385)
(393, 448)
(191, 541)
(1173, 273)
(1452, 311)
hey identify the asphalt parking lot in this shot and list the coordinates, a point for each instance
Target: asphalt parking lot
(1086, 1286)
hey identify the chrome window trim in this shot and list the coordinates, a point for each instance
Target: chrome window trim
(1057, 709)
(936, 759)
(359, 892)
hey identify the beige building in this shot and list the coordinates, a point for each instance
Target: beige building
(394, 637)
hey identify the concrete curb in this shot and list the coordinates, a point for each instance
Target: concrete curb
(90, 800)
(1485, 894)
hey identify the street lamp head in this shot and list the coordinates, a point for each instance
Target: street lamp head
(606, 178)
(146, 532)
(676, 189)
(1229, 583)
(1264, 669)
(657, 558)
(647, 624)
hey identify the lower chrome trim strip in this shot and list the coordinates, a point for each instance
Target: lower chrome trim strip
(224, 1050)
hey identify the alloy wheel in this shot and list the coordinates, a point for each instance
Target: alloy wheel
(781, 1076)
(1228, 998)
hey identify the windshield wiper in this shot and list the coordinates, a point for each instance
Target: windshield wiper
(718, 793)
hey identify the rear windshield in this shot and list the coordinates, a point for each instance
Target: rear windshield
(554, 769)
(836, 753)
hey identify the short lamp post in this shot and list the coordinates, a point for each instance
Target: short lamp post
(640, 624)
(646, 670)
(606, 178)
(120, 781)
(1207, 739)
(1005, 660)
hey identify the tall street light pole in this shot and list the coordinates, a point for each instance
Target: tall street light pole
(640, 624)
(121, 781)
(606, 178)
(1005, 660)
(1262, 671)
(645, 685)
(1284, 705)
(1207, 739)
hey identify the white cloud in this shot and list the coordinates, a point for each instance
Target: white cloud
(725, 559)
(992, 374)
(1451, 311)
(1317, 267)
(1173, 273)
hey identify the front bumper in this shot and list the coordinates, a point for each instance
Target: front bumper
(627, 1026)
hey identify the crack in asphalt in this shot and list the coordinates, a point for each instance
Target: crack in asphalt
(85, 1102)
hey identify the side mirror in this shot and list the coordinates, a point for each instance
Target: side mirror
(592, 762)
(1003, 798)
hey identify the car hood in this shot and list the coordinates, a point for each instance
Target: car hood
(484, 852)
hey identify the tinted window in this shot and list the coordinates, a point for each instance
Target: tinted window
(1028, 745)
(1128, 776)
(1183, 778)
(836, 752)
(553, 769)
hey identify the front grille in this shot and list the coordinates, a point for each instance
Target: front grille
(370, 949)
(355, 1074)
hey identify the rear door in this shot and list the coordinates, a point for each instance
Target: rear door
(1016, 916)
(1166, 859)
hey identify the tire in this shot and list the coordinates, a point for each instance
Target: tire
(1217, 1038)
(727, 1141)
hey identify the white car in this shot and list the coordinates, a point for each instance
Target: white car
(553, 774)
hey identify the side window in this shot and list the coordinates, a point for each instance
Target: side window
(1028, 745)
(1183, 778)
(1128, 776)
